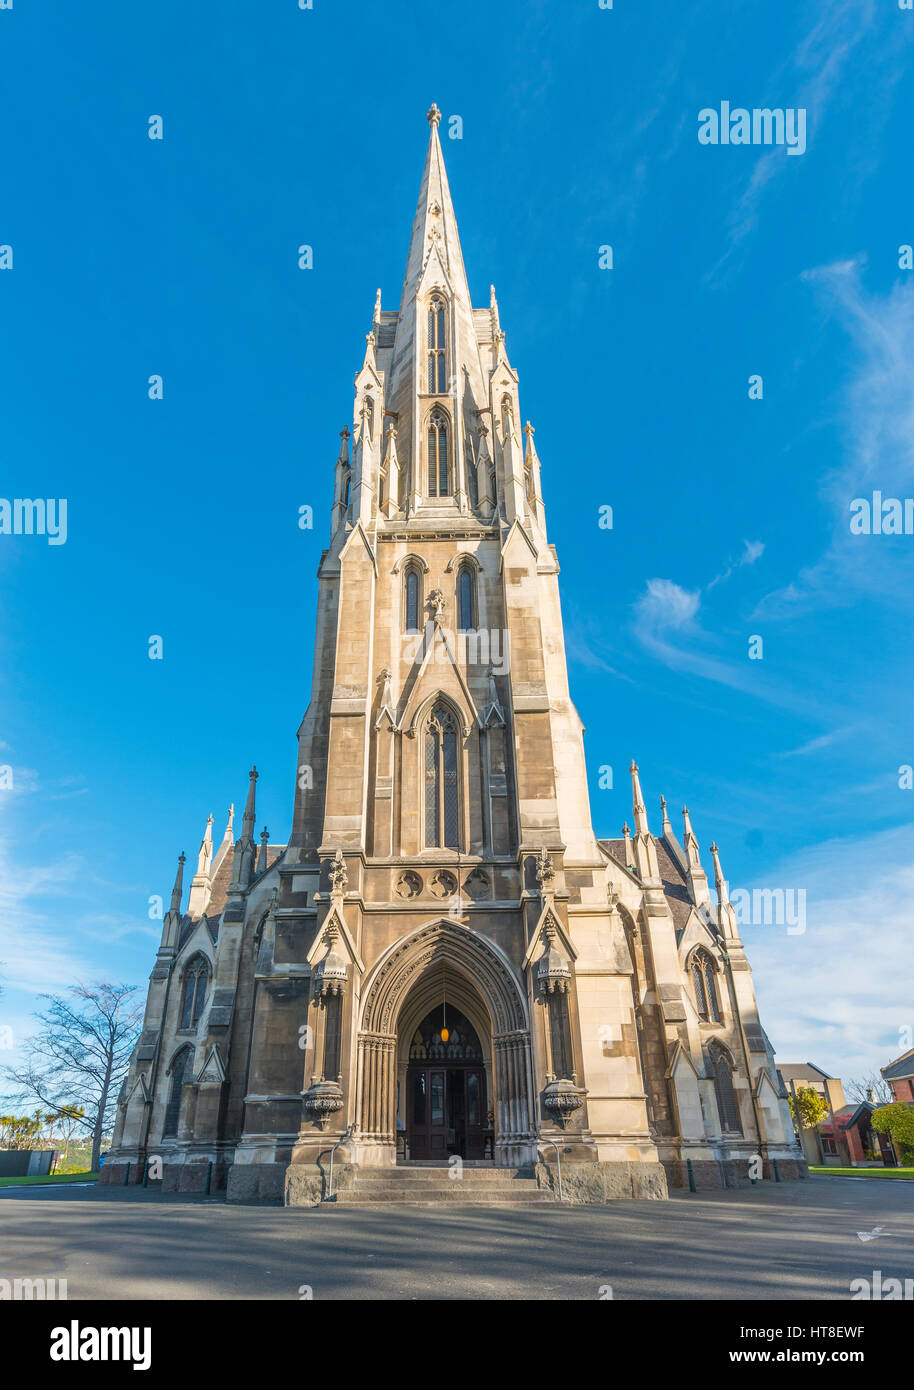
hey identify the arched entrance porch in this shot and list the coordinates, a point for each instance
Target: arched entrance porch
(443, 1087)
(406, 990)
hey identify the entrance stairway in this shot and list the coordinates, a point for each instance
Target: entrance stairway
(431, 1185)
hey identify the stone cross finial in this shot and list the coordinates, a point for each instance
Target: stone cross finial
(433, 116)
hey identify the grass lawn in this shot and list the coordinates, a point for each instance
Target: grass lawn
(51, 1177)
(864, 1172)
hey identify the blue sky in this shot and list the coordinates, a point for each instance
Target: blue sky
(283, 127)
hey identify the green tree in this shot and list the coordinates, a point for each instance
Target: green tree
(897, 1121)
(808, 1108)
(17, 1132)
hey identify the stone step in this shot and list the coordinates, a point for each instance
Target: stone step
(455, 1195)
(441, 1173)
(421, 1189)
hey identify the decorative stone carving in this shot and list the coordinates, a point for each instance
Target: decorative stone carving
(553, 973)
(409, 885)
(330, 973)
(562, 1098)
(444, 884)
(476, 884)
(437, 603)
(323, 1099)
(339, 878)
(545, 871)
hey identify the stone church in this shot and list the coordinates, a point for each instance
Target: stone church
(444, 972)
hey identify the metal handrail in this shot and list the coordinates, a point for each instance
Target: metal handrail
(558, 1160)
(347, 1134)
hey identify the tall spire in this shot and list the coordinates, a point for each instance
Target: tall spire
(434, 230)
(720, 883)
(726, 916)
(243, 864)
(200, 886)
(698, 879)
(435, 224)
(689, 841)
(247, 823)
(638, 807)
(667, 828)
(263, 862)
(178, 891)
(206, 847)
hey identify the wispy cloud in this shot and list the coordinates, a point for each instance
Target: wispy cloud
(877, 419)
(752, 551)
(816, 745)
(840, 994)
(813, 76)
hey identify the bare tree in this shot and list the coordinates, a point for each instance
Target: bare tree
(80, 1056)
(860, 1089)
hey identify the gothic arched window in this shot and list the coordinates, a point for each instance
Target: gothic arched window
(437, 455)
(412, 599)
(196, 979)
(442, 802)
(437, 349)
(727, 1104)
(705, 986)
(180, 1067)
(466, 598)
(701, 1002)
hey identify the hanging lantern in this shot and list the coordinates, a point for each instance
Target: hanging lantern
(445, 1031)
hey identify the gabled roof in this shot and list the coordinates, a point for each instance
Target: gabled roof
(804, 1071)
(847, 1117)
(901, 1068)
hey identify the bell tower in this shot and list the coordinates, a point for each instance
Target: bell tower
(441, 760)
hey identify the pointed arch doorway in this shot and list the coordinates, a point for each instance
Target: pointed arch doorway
(443, 1107)
(444, 960)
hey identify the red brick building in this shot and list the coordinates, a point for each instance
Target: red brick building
(900, 1077)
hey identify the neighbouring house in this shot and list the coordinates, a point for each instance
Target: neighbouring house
(899, 1075)
(849, 1140)
(800, 1075)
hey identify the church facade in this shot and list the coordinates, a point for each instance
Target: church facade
(444, 963)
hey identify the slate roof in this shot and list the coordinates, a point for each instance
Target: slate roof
(616, 848)
(901, 1068)
(675, 886)
(804, 1071)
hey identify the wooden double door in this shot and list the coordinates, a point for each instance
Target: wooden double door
(446, 1110)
